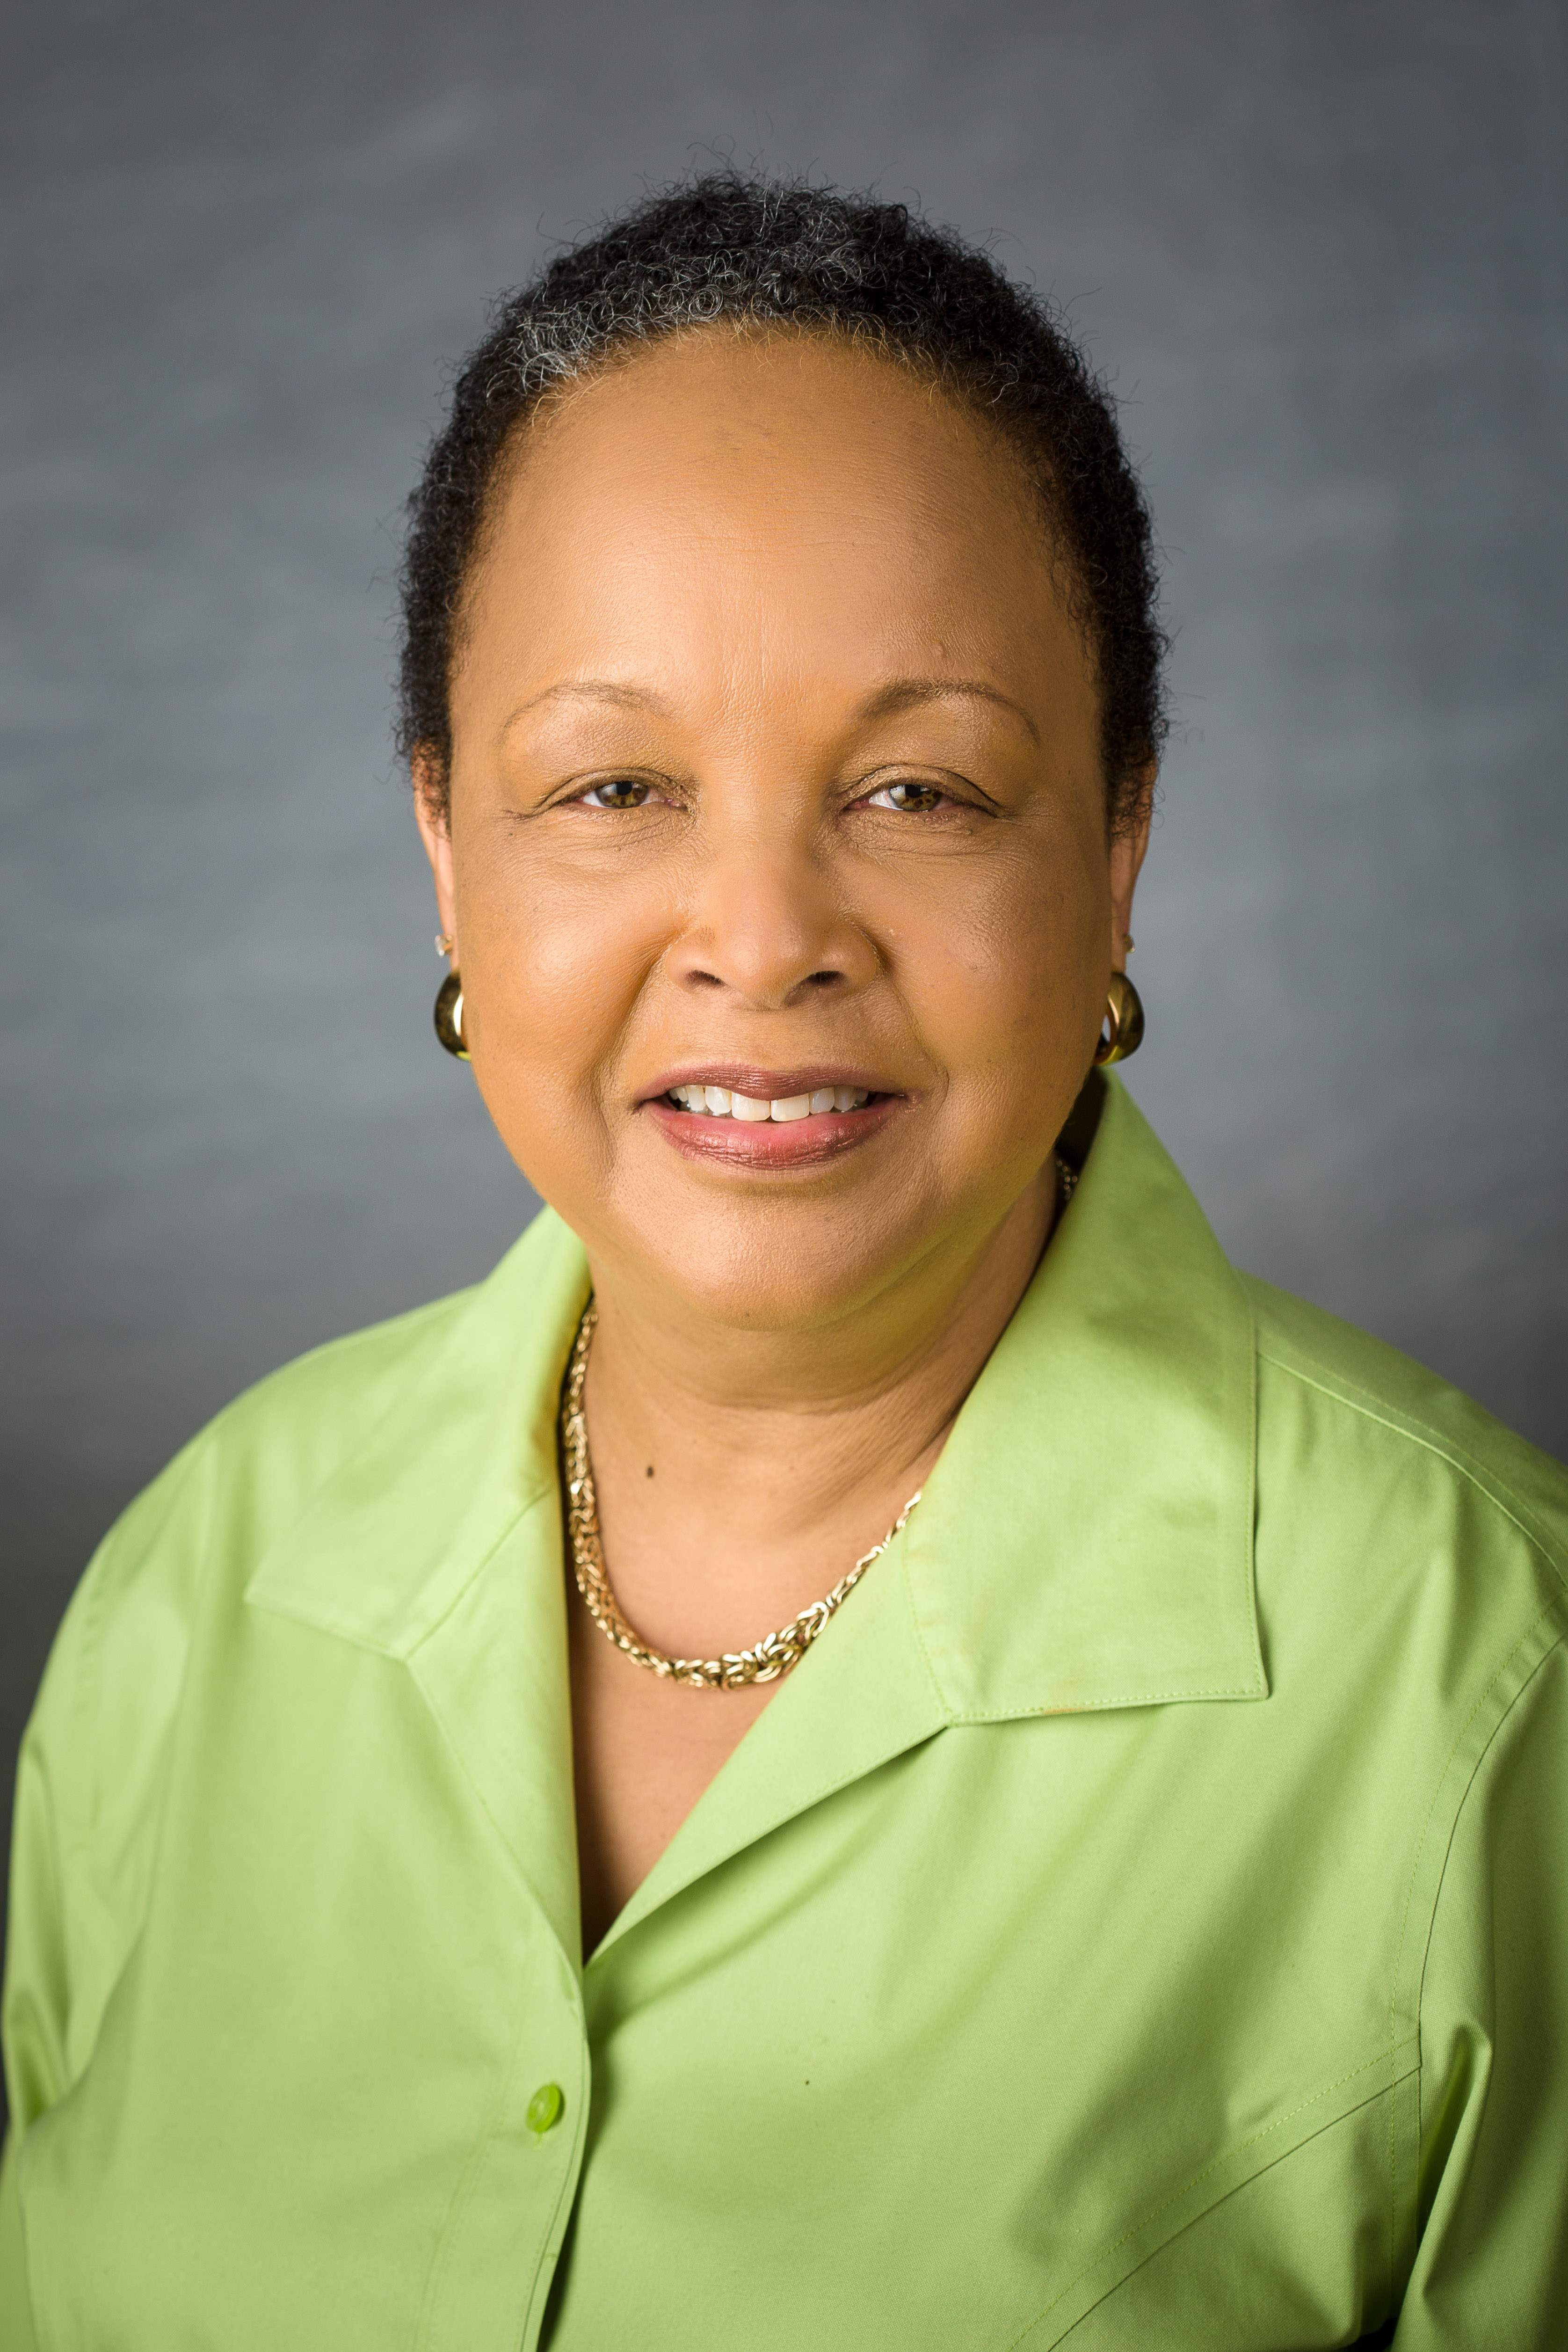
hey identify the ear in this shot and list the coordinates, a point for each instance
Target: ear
(1129, 843)
(433, 815)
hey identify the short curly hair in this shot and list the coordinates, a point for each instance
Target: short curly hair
(724, 247)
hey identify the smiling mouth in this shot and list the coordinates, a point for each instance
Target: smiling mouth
(725, 1102)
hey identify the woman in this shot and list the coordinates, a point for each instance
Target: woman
(865, 1746)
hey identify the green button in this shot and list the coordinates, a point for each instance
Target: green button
(545, 2108)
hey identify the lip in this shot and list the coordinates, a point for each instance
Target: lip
(770, 1146)
(763, 1145)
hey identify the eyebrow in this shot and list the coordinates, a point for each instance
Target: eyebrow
(590, 689)
(907, 693)
(899, 694)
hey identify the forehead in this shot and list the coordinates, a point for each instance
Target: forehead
(749, 503)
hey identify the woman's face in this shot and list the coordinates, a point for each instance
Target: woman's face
(775, 773)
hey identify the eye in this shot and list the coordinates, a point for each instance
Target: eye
(620, 793)
(910, 799)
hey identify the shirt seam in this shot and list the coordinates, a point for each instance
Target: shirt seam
(85, 1714)
(1552, 1610)
(76, 1806)
(1387, 2057)
(1249, 1522)
(1105, 1706)
(1341, 1390)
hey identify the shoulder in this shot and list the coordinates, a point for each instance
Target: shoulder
(1411, 1576)
(1381, 1422)
(115, 1671)
(265, 1453)
(256, 1468)
(178, 1560)
(159, 1628)
(280, 1440)
(1416, 1545)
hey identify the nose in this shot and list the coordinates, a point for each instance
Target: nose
(769, 923)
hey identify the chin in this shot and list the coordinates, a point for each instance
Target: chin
(794, 1281)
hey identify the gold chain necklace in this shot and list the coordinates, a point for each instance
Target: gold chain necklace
(766, 1660)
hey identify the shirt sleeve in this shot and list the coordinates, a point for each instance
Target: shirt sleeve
(35, 2006)
(1491, 2265)
(37, 2002)
(16, 2309)
(87, 1779)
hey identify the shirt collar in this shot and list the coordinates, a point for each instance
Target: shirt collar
(1086, 1538)
(1085, 1541)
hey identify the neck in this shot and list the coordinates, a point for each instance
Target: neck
(738, 1469)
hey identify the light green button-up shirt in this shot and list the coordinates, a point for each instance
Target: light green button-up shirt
(1141, 1922)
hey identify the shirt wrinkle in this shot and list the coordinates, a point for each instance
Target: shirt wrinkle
(1032, 2033)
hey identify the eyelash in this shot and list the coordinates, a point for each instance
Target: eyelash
(876, 799)
(937, 797)
(613, 784)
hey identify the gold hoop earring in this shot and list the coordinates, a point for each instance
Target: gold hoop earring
(449, 1015)
(1125, 1014)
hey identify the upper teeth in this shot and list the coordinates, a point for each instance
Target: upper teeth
(722, 1102)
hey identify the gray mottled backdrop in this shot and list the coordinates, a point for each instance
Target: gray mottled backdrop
(1316, 243)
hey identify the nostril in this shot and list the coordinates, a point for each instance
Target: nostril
(822, 979)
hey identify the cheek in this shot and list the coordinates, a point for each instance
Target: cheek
(551, 986)
(1007, 997)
